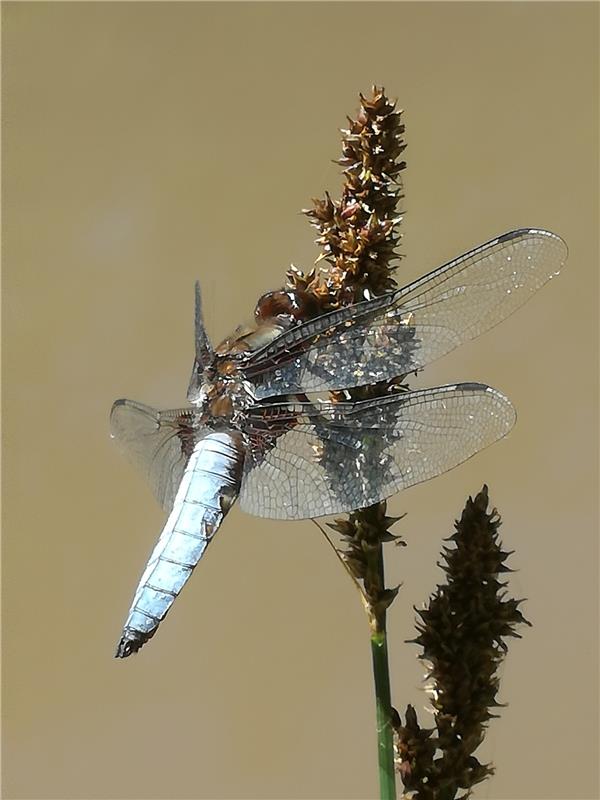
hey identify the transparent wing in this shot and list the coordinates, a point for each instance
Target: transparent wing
(401, 332)
(159, 443)
(308, 461)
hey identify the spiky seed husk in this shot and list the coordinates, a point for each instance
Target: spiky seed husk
(461, 634)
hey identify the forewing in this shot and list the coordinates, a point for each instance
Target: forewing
(159, 443)
(308, 461)
(401, 332)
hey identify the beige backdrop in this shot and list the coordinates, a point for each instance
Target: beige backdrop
(148, 144)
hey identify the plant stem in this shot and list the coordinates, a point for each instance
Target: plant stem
(358, 587)
(381, 676)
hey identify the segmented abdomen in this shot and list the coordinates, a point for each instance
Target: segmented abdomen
(210, 485)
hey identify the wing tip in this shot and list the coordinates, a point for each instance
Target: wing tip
(499, 396)
(123, 405)
(117, 404)
(540, 233)
(122, 401)
(115, 410)
(507, 413)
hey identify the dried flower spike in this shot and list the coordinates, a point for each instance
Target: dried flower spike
(359, 233)
(359, 238)
(462, 634)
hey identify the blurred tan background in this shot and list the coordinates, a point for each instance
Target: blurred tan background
(146, 145)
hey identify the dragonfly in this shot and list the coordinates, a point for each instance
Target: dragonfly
(256, 430)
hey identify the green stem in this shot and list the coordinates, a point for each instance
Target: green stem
(381, 675)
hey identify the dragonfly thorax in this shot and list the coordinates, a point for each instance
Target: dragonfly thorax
(222, 399)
